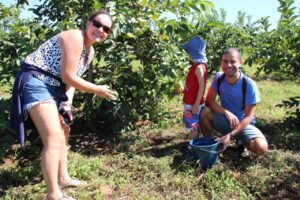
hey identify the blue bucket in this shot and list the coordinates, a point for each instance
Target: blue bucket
(206, 150)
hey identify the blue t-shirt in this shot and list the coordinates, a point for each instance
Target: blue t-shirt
(231, 95)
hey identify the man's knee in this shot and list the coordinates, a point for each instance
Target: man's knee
(207, 113)
(258, 146)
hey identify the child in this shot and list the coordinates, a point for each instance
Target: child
(193, 94)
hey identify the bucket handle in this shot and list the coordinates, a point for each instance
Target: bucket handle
(212, 151)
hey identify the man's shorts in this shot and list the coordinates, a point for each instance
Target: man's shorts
(222, 125)
(190, 120)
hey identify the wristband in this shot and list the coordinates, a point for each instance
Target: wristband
(231, 135)
(64, 103)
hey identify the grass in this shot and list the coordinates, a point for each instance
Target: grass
(142, 164)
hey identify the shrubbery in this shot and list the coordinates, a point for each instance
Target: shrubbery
(143, 61)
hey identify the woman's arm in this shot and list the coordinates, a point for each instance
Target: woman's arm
(70, 93)
(67, 105)
(71, 43)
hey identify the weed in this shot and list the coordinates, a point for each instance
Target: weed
(140, 164)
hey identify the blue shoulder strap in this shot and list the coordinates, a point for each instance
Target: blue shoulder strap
(219, 81)
(244, 89)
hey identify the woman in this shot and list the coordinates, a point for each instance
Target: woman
(47, 75)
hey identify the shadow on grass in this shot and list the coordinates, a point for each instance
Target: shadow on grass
(230, 158)
(285, 186)
(29, 174)
(93, 142)
(281, 135)
(163, 146)
(27, 171)
(234, 161)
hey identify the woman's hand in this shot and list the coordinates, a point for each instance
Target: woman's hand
(233, 120)
(104, 92)
(65, 106)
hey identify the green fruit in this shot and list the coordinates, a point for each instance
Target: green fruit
(178, 87)
(130, 36)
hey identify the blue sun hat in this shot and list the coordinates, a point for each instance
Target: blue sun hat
(195, 47)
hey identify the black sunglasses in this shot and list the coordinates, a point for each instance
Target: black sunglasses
(97, 24)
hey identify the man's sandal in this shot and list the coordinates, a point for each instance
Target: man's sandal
(243, 151)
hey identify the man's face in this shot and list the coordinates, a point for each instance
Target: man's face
(231, 63)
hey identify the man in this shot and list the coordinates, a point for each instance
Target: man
(234, 117)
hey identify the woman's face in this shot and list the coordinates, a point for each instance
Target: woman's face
(99, 28)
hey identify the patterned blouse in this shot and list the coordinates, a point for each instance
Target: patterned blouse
(48, 58)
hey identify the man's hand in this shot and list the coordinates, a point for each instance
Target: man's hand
(225, 140)
(233, 120)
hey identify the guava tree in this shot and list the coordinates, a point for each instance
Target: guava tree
(279, 50)
(141, 61)
(12, 31)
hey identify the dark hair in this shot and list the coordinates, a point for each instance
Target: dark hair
(100, 12)
(232, 50)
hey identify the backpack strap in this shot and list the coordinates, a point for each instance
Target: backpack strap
(244, 89)
(219, 81)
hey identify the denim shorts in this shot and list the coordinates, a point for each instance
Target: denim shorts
(190, 120)
(222, 125)
(36, 92)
